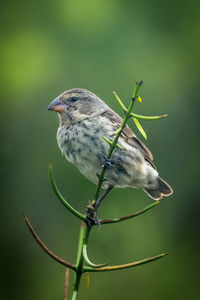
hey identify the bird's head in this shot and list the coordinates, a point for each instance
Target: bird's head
(77, 104)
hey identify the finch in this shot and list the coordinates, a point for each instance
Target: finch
(83, 119)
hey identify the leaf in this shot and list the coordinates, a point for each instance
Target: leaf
(87, 282)
(148, 117)
(110, 143)
(139, 127)
(120, 101)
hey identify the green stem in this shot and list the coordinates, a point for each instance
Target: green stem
(83, 239)
(148, 117)
(84, 250)
(135, 214)
(74, 295)
(125, 266)
(110, 143)
(136, 115)
(61, 198)
(87, 260)
(114, 143)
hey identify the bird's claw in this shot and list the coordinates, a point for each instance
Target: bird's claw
(107, 163)
(91, 215)
(90, 212)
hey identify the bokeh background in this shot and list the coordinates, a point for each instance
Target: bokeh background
(102, 45)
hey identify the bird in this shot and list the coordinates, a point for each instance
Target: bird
(83, 121)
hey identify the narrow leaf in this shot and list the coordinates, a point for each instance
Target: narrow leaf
(61, 198)
(132, 215)
(136, 115)
(110, 143)
(107, 140)
(87, 282)
(126, 266)
(119, 101)
(139, 127)
(148, 117)
(87, 260)
(44, 247)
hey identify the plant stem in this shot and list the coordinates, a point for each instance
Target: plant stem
(66, 283)
(61, 198)
(136, 115)
(83, 239)
(114, 143)
(130, 216)
(148, 117)
(46, 249)
(125, 266)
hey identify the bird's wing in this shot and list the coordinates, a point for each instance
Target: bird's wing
(129, 136)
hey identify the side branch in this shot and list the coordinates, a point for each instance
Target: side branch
(114, 143)
(87, 260)
(61, 198)
(135, 214)
(136, 115)
(44, 247)
(125, 266)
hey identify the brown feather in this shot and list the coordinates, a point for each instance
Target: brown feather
(129, 136)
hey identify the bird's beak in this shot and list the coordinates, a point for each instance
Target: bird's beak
(57, 105)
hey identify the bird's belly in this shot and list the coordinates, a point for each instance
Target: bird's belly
(88, 163)
(83, 150)
(86, 150)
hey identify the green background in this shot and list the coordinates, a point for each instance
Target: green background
(102, 45)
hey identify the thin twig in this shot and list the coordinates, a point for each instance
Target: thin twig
(84, 249)
(136, 115)
(87, 260)
(44, 247)
(148, 117)
(66, 283)
(124, 218)
(125, 266)
(84, 230)
(61, 198)
(139, 127)
(110, 143)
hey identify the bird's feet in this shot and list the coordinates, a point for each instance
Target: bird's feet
(107, 163)
(91, 215)
(92, 207)
(90, 212)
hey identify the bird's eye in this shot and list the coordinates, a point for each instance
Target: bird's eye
(73, 99)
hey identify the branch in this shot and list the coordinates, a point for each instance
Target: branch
(136, 115)
(135, 214)
(148, 117)
(125, 266)
(88, 262)
(110, 143)
(114, 143)
(44, 247)
(66, 283)
(139, 127)
(84, 242)
(61, 198)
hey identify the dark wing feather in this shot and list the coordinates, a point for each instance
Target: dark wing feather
(128, 135)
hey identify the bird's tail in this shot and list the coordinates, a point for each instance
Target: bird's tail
(164, 189)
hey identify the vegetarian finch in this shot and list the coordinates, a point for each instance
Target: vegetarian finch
(84, 119)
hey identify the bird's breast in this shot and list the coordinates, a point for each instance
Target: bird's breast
(83, 145)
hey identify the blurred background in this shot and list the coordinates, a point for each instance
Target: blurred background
(102, 45)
